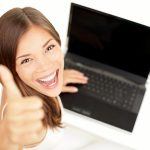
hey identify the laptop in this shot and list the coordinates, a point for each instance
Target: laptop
(114, 53)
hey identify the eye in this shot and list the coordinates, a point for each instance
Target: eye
(49, 48)
(25, 60)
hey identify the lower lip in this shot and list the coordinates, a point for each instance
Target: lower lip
(50, 85)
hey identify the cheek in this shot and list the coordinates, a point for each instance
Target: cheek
(25, 75)
(56, 55)
(61, 69)
(58, 58)
(59, 61)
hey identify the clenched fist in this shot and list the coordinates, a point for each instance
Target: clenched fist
(22, 120)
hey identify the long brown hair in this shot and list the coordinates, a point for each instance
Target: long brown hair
(13, 24)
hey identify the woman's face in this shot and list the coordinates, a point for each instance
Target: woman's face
(39, 61)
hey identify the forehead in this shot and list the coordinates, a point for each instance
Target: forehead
(33, 39)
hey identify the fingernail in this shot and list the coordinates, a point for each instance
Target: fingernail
(84, 81)
(75, 89)
(86, 78)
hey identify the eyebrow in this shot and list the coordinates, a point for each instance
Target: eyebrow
(30, 54)
(23, 56)
(46, 43)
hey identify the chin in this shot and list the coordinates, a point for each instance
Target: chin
(53, 93)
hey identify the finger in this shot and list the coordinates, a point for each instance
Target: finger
(76, 81)
(31, 103)
(80, 77)
(69, 89)
(6, 78)
(26, 117)
(73, 71)
(32, 137)
(29, 127)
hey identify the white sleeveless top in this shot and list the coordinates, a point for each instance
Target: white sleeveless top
(52, 137)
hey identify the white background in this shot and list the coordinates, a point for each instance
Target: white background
(57, 11)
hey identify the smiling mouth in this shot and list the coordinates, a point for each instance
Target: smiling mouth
(49, 81)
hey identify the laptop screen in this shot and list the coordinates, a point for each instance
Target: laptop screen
(110, 40)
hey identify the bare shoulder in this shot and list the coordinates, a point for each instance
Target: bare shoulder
(2, 100)
(60, 102)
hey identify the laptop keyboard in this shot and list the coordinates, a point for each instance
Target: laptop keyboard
(108, 89)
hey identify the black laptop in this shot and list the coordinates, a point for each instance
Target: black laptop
(115, 54)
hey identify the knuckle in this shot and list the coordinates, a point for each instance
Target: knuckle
(38, 125)
(68, 80)
(13, 106)
(72, 70)
(41, 113)
(38, 100)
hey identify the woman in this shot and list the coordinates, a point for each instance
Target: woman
(31, 73)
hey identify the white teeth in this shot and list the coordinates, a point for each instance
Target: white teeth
(48, 78)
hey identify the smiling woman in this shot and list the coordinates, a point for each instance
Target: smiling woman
(40, 65)
(30, 52)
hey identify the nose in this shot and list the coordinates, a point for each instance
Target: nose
(44, 63)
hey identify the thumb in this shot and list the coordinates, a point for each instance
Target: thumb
(7, 80)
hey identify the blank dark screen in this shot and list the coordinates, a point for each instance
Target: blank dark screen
(110, 40)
